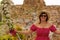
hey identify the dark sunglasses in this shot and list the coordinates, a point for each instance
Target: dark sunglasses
(43, 15)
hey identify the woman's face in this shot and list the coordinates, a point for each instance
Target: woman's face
(43, 17)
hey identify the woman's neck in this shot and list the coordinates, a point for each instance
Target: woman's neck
(43, 22)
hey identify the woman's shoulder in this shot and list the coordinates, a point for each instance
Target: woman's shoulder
(51, 24)
(34, 24)
(52, 27)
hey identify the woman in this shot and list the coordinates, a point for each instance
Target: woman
(42, 28)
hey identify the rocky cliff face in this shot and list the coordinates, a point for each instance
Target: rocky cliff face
(27, 10)
(27, 13)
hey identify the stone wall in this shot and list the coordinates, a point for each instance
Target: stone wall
(25, 15)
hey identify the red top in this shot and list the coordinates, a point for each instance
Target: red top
(42, 33)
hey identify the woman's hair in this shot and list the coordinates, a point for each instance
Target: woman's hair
(42, 14)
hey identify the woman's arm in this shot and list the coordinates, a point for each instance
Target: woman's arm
(32, 29)
(57, 31)
(25, 32)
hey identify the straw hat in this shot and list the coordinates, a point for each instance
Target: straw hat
(47, 11)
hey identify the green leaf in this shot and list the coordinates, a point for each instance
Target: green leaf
(1, 23)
